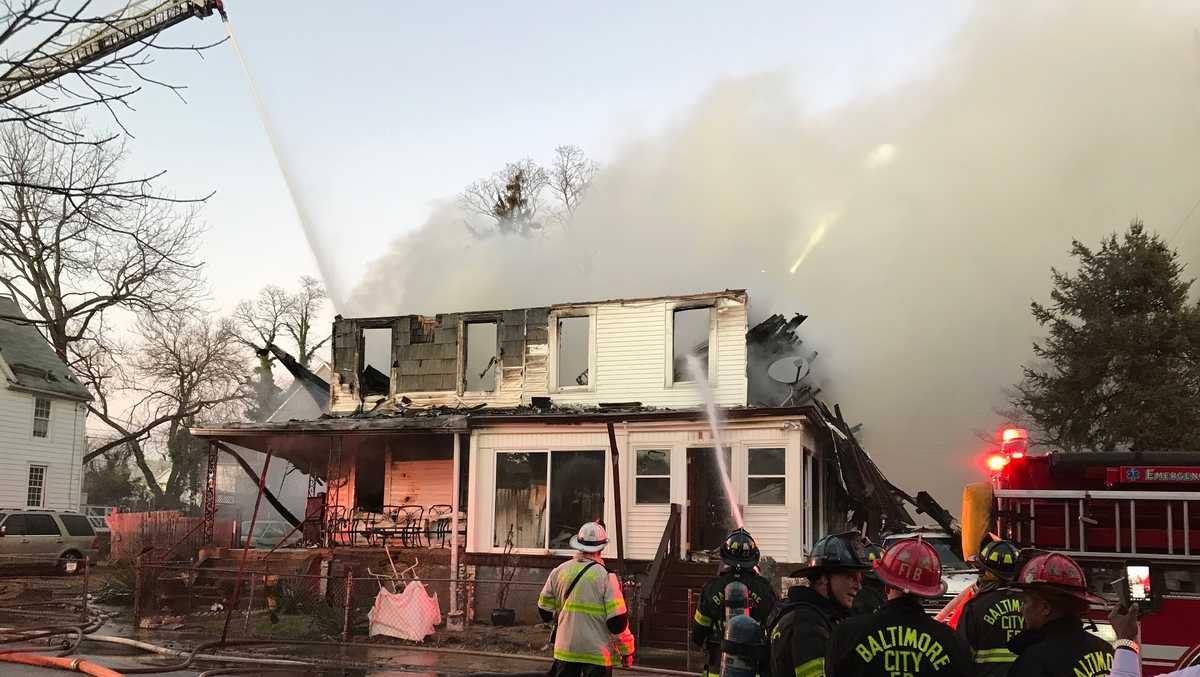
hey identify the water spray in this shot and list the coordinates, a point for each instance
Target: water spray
(335, 295)
(700, 376)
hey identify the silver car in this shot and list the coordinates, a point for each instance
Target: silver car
(35, 538)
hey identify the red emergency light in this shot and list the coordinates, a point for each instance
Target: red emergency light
(997, 462)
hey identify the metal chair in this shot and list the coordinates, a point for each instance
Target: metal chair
(437, 523)
(410, 522)
(386, 527)
(337, 524)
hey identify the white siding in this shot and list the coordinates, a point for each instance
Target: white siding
(630, 362)
(61, 452)
(779, 530)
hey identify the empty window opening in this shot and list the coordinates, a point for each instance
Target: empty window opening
(653, 481)
(574, 344)
(377, 361)
(36, 494)
(482, 358)
(766, 481)
(368, 483)
(689, 335)
(41, 417)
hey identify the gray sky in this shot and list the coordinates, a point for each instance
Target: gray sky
(383, 109)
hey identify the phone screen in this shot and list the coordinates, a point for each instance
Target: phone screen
(1137, 578)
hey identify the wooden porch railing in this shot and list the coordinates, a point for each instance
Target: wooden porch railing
(669, 547)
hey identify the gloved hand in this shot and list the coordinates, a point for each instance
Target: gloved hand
(627, 660)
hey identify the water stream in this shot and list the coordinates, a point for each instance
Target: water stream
(297, 204)
(699, 373)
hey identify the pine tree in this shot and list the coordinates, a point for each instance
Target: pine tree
(1118, 368)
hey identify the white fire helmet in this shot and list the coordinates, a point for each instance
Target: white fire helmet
(591, 538)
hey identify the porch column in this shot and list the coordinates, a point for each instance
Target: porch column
(210, 494)
(455, 489)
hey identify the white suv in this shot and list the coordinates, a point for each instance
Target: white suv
(33, 537)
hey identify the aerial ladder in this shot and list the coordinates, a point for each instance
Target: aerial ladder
(135, 24)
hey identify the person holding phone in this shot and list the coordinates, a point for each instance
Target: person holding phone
(1127, 660)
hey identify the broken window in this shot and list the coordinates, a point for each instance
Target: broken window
(653, 481)
(689, 336)
(766, 481)
(368, 483)
(520, 499)
(576, 493)
(544, 497)
(482, 357)
(377, 361)
(574, 348)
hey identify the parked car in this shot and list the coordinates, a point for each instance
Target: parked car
(103, 536)
(35, 538)
(267, 533)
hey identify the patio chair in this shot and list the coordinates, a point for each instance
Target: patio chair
(386, 527)
(337, 525)
(410, 521)
(437, 524)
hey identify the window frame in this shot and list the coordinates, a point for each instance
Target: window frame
(58, 531)
(669, 476)
(552, 334)
(750, 449)
(669, 322)
(482, 318)
(37, 399)
(41, 487)
(545, 540)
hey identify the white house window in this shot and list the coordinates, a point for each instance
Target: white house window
(543, 497)
(41, 417)
(482, 357)
(766, 481)
(573, 350)
(653, 482)
(36, 494)
(689, 336)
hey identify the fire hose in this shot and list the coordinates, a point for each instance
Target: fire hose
(60, 662)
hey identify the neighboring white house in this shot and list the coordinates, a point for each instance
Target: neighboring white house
(42, 414)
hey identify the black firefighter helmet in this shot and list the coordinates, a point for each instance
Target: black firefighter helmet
(1001, 558)
(739, 550)
(835, 552)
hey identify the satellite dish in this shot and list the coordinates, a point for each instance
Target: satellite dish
(789, 370)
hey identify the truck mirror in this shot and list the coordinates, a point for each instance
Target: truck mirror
(3, 531)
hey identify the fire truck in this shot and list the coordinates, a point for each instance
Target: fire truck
(1112, 512)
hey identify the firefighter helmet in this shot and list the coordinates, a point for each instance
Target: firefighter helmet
(739, 550)
(591, 538)
(1057, 572)
(912, 565)
(999, 558)
(873, 553)
(835, 552)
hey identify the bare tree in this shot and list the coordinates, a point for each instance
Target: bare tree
(571, 174)
(76, 244)
(184, 366)
(38, 52)
(259, 324)
(510, 198)
(302, 309)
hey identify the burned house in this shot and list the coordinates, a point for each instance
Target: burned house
(511, 428)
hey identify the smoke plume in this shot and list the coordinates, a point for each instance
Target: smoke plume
(914, 228)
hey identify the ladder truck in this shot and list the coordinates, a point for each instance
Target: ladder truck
(102, 38)
(1113, 512)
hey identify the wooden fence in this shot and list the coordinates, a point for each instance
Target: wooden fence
(154, 533)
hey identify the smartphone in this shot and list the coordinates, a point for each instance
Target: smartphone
(1136, 588)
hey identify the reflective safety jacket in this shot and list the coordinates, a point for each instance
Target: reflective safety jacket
(583, 635)
(899, 639)
(799, 633)
(708, 624)
(988, 621)
(1061, 647)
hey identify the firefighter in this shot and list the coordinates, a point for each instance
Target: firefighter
(1054, 600)
(993, 616)
(586, 605)
(871, 597)
(739, 557)
(900, 638)
(801, 628)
